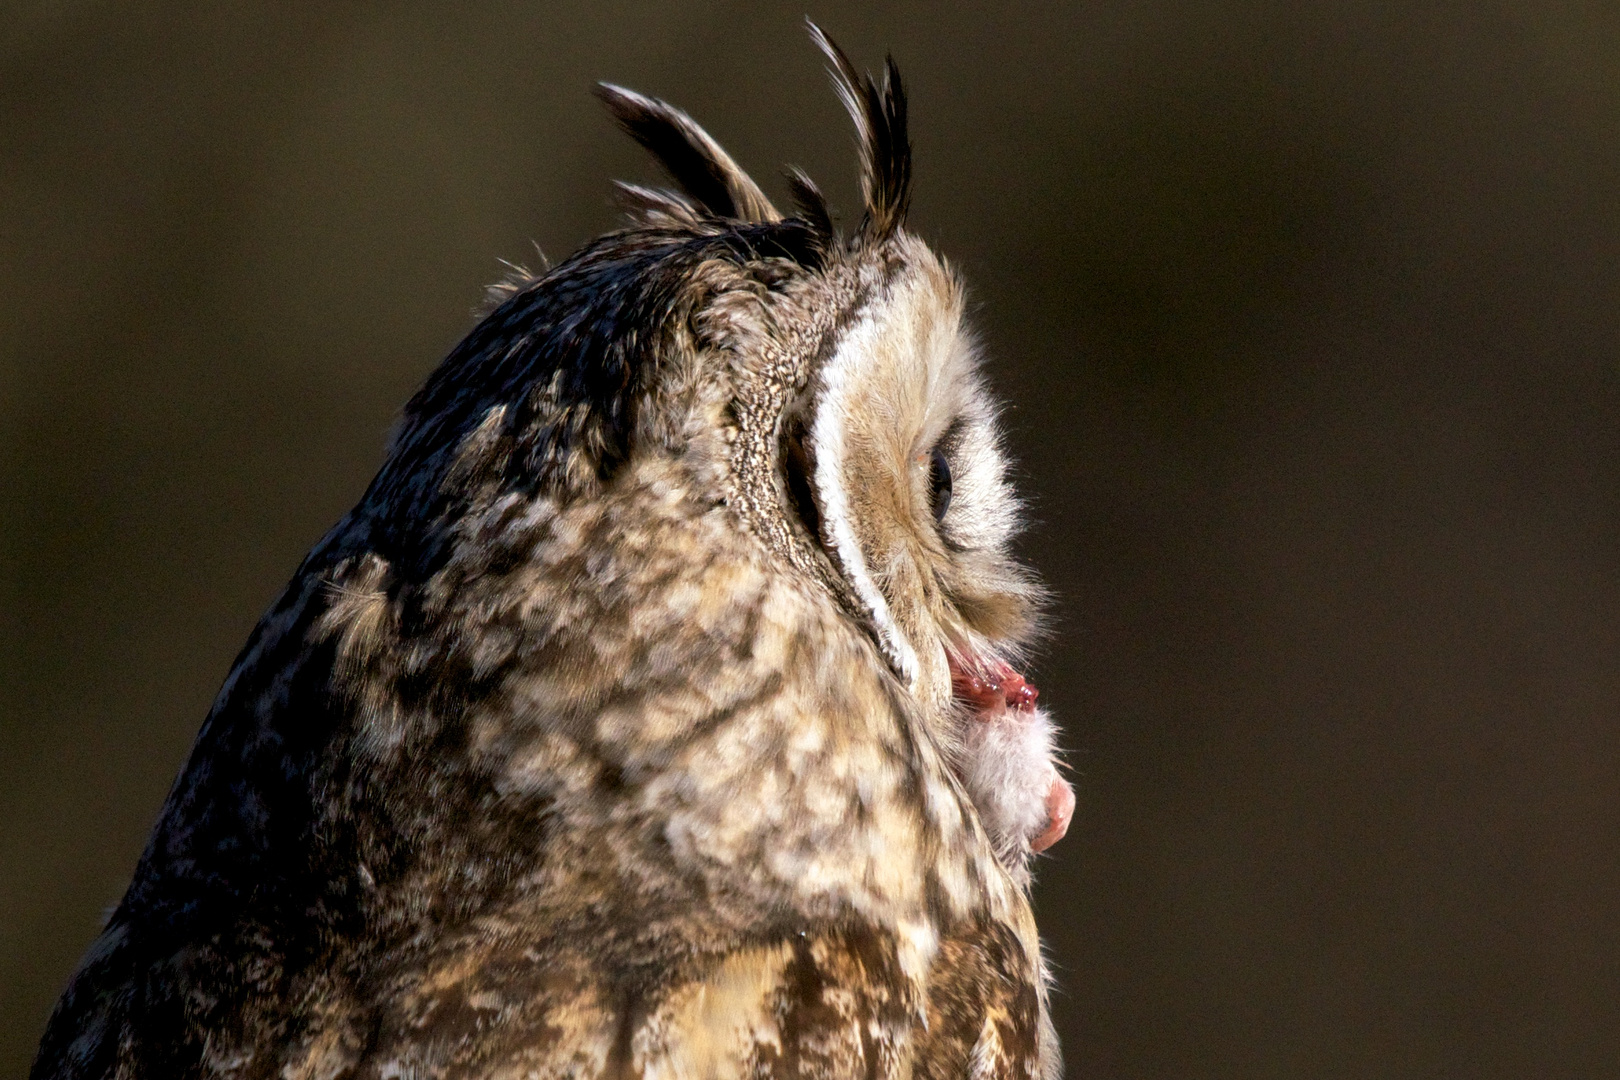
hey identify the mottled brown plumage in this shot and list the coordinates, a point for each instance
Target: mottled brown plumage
(620, 729)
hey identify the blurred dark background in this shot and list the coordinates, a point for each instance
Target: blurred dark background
(1309, 321)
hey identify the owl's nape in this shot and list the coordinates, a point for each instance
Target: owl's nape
(657, 710)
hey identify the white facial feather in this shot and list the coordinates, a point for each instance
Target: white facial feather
(840, 396)
(902, 384)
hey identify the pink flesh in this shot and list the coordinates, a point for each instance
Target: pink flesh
(989, 692)
(1059, 809)
(986, 691)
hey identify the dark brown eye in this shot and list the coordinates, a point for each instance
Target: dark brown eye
(939, 484)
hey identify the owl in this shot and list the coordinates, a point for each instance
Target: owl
(655, 713)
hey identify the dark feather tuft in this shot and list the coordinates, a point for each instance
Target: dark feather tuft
(812, 207)
(659, 208)
(879, 112)
(693, 159)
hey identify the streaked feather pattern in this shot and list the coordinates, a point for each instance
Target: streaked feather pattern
(613, 732)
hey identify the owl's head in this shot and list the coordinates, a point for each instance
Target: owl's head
(881, 446)
(829, 379)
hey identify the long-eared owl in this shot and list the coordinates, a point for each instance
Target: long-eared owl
(655, 712)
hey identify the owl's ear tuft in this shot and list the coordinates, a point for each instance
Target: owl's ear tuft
(812, 207)
(658, 206)
(879, 112)
(691, 157)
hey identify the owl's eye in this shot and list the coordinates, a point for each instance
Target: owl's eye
(939, 484)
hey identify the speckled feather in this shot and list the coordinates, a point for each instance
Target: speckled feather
(575, 750)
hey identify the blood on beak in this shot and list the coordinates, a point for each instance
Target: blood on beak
(990, 690)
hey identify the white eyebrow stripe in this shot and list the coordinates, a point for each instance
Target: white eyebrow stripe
(827, 436)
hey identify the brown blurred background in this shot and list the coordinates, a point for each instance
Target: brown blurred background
(1309, 319)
